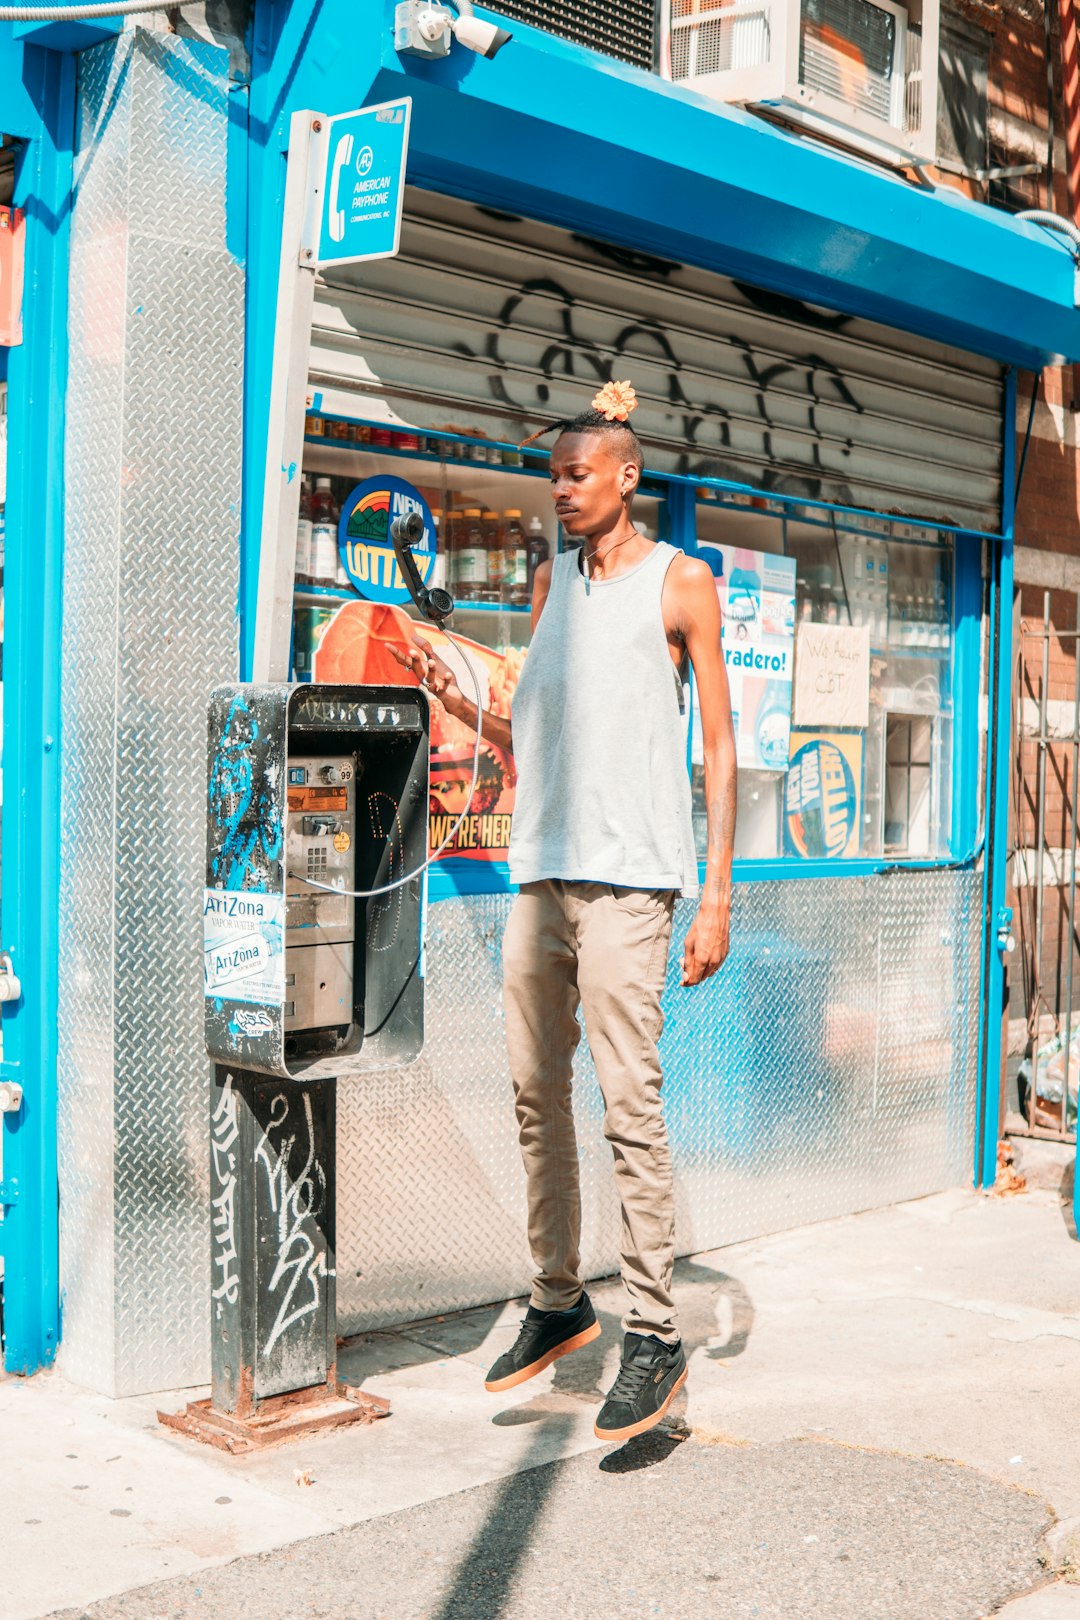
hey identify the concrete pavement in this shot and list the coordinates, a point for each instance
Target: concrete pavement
(882, 1416)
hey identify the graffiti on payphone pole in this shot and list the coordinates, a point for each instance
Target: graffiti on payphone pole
(223, 1139)
(296, 1201)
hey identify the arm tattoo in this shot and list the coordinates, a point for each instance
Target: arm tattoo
(721, 817)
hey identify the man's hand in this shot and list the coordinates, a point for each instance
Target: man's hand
(707, 941)
(434, 675)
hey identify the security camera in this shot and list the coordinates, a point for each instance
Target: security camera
(425, 27)
(482, 37)
(432, 23)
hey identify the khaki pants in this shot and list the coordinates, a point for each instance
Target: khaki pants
(605, 949)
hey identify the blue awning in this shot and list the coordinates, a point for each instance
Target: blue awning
(557, 132)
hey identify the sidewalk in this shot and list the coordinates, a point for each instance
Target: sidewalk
(883, 1417)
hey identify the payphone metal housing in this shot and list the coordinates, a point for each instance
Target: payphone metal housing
(328, 783)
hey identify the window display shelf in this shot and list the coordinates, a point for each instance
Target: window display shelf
(463, 609)
(940, 654)
(344, 593)
(864, 795)
(341, 456)
(325, 593)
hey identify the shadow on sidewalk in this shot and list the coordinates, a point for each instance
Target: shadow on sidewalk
(716, 1315)
(504, 1540)
(414, 1344)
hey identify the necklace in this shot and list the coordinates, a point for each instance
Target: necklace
(590, 556)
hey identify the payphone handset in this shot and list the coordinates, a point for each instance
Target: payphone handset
(316, 837)
(433, 602)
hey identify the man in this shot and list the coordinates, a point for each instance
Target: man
(602, 842)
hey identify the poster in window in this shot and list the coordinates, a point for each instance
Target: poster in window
(757, 606)
(823, 795)
(353, 647)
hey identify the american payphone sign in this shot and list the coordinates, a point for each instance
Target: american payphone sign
(244, 946)
(364, 185)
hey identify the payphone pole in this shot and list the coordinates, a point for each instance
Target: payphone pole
(313, 972)
(272, 1157)
(273, 1286)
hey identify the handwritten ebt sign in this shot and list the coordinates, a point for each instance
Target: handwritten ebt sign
(832, 675)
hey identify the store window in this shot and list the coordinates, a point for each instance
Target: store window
(838, 646)
(837, 637)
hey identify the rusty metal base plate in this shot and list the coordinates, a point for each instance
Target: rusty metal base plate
(279, 1419)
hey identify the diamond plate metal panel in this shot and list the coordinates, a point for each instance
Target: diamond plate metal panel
(152, 477)
(830, 1067)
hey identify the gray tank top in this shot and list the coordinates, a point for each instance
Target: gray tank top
(603, 792)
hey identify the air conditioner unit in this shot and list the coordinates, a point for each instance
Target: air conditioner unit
(861, 71)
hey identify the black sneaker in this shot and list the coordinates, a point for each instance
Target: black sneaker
(650, 1376)
(544, 1337)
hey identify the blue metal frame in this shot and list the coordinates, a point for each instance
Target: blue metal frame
(31, 756)
(998, 765)
(967, 670)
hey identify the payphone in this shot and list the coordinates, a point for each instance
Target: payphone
(317, 813)
(317, 808)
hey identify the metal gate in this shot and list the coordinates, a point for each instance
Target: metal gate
(495, 322)
(1044, 877)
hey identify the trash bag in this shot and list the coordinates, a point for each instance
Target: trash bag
(1052, 1066)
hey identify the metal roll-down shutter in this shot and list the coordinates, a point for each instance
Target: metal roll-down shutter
(489, 322)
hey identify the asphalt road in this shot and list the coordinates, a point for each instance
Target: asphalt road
(796, 1530)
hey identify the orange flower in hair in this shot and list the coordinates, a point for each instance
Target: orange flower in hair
(615, 401)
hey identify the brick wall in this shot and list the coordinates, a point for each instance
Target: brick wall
(1047, 534)
(1047, 561)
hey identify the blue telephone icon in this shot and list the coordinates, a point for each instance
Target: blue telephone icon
(342, 159)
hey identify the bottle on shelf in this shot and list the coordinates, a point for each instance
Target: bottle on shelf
(341, 574)
(897, 617)
(941, 613)
(920, 621)
(470, 558)
(450, 534)
(302, 566)
(907, 617)
(496, 557)
(440, 573)
(537, 551)
(516, 553)
(324, 537)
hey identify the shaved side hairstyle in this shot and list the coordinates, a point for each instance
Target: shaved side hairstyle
(622, 441)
